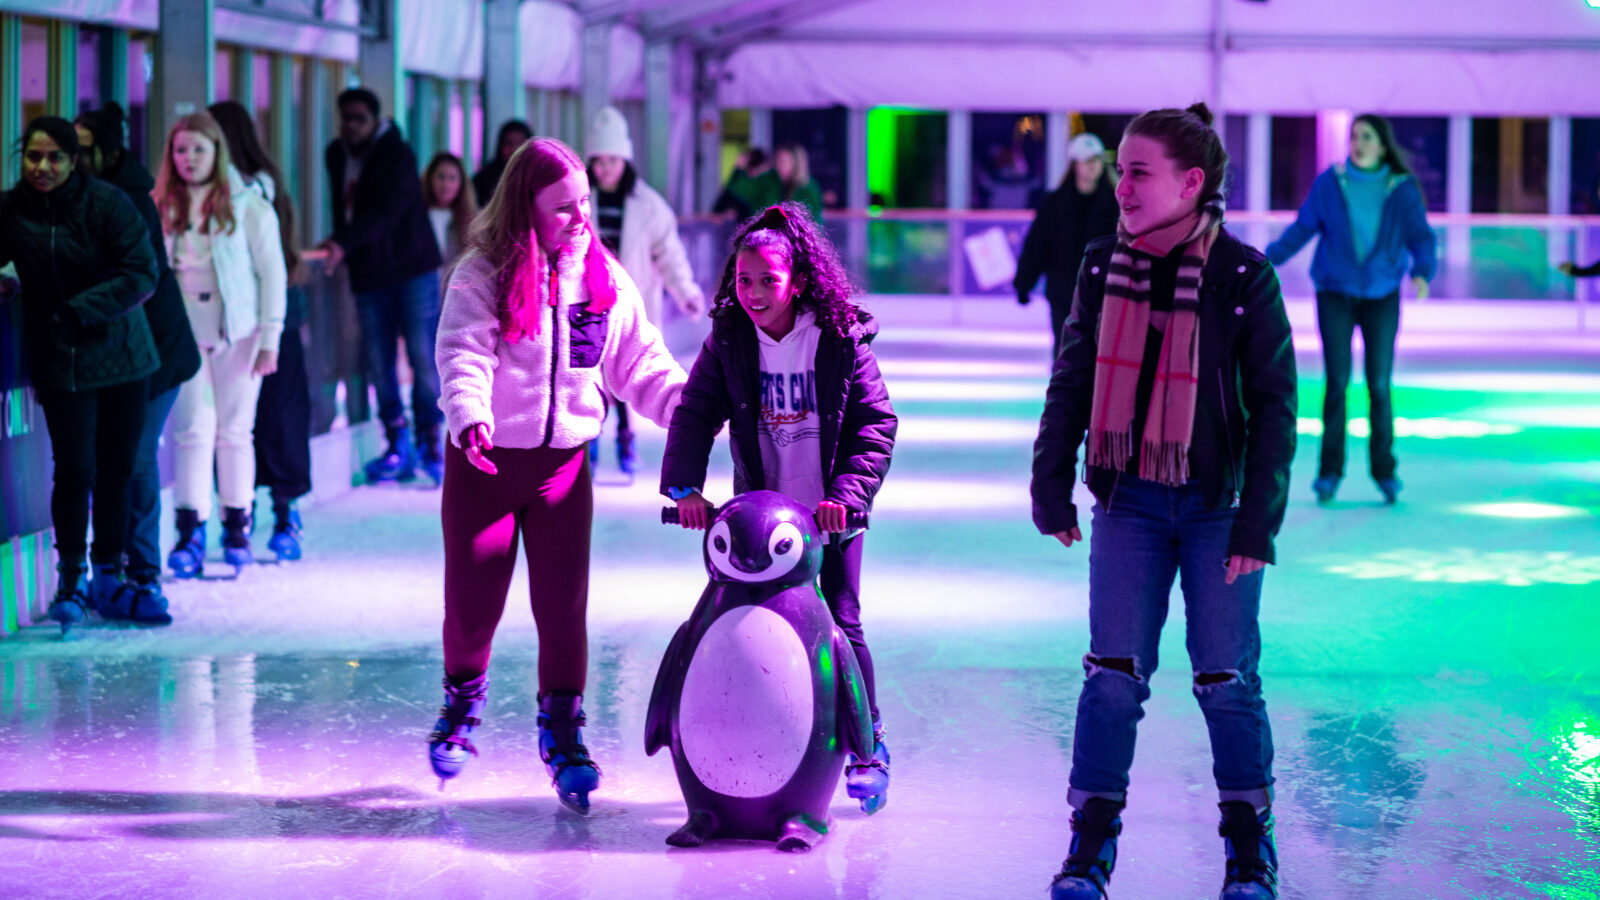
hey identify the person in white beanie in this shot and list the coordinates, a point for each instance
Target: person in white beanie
(1081, 209)
(637, 225)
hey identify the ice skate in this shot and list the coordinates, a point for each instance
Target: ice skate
(572, 772)
(117, 599)
(1087, 870)
(399, 461)
(1325, 487)
(868, 780)
(188, 556)
(450, 744)
(71, 603)
(1252, 872)
(285, 540)
(236, 538)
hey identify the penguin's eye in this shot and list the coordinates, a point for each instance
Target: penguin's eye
(720, 544)
(782, 547)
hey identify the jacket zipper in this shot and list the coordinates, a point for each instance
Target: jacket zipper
(1227, 432)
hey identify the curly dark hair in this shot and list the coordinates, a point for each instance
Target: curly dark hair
(813, 261)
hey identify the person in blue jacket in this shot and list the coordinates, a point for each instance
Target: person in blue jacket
(1368, 212)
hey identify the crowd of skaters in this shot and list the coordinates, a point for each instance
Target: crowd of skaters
(179, 296)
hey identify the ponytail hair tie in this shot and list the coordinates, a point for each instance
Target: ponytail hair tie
(773, 217)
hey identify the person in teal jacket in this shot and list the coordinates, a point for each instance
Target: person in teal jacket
(1369, 215)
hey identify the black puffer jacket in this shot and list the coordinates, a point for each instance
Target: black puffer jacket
(83, 255)
(169, 322)
(1244, 424)
(388, 240)
(858, 421)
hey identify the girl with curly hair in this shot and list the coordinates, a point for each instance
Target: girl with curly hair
(790, 368)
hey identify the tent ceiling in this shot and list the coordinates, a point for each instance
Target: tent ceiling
(1464, 24)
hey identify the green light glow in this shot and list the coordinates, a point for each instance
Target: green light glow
(1523, 510)
(1438, 428)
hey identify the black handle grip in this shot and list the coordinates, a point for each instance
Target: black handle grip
(855, 518)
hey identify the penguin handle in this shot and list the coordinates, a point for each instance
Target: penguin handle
(855, 518)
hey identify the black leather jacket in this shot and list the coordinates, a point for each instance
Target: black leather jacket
(1244, 429)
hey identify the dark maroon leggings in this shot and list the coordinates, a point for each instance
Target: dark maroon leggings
(544, 495)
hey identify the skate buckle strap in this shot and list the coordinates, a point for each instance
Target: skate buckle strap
(868, 763)
(569, 756)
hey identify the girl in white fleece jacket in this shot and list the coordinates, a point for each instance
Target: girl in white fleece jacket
(539, 327)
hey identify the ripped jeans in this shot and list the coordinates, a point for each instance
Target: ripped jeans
(1151, 534)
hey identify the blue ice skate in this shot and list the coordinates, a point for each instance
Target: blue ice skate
(1087, 870)
(572, 772)
(118, 599)
(71, 602)
(868, 780)
(285, 540)
(450, 744)
(188, 556)
(236, 538)
(1252, 872)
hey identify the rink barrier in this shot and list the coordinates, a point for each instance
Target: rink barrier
(1482, 256)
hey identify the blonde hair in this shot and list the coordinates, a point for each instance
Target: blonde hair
(172, 192)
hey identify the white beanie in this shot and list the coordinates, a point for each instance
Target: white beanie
(1084, 146)
(609, 135)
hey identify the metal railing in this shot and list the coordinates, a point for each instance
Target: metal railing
(1481, 257)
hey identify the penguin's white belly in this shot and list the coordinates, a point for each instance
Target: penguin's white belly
(745, 715)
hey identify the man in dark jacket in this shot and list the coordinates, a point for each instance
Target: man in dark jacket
(381, 227)
(1083, 208)
(101, 137)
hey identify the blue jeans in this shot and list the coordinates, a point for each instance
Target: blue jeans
(144, 492)
(1151, 534)
(409, 309)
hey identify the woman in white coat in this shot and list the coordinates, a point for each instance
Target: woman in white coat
(638, 226)
(223, 239)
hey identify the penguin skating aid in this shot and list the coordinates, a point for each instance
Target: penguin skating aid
(759, 695)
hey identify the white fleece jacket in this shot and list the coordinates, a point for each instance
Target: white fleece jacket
(526, 397)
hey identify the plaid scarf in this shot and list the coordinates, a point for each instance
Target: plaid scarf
(1124, 327)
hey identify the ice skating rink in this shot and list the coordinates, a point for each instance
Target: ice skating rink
(1432, 672)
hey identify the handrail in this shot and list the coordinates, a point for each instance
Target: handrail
(1237, 216)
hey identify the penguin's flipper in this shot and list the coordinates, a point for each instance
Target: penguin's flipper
(669, 680)
(855, 714)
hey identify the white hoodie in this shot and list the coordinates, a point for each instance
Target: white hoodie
(526, 397)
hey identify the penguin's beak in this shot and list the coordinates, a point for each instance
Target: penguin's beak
(750, 559)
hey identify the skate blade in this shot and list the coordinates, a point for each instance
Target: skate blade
(578, 803)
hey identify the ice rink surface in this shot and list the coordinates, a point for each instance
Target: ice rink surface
(1432, 672)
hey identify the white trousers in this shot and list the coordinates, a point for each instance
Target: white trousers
(214, 422)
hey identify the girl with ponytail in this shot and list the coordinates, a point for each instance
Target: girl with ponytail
(540, 327)
(1176, 363)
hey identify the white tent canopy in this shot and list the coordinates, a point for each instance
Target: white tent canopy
(1480, 57)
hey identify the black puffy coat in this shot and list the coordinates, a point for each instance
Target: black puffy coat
(169, 321)
(83, 255)
(388, 240)
(1244, 423)
(858, 421)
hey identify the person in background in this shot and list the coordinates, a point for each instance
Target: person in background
(1081, 209)
(226, 247)
(101, 136)
(451, 207)
(740, 195)
(1006, 182)
(283, 412)
(636, 223)
(790, 179)
(381, 224)
(1373, 227)
(1573, 270)
(86, 267)
(513, 134)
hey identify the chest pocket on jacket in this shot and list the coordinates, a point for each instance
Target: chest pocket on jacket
(588, 337)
